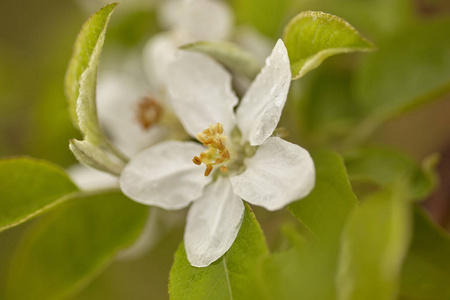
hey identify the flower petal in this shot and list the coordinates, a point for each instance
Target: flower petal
(200, 92)
(164, 175)
(168, 13)
(213, 223)
(260, 109)
(205, 20)
(278, 174)
(158, 53)
(91, 179)
(118, 97)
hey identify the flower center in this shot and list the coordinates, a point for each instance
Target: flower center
(217, 153)
(148, 112)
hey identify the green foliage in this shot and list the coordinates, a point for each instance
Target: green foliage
(346, 251)
(426, 272)
(387, 167)
(377, 18)
(30, 187)
(81, 90)
(234, 276)
(311, 37)
(374, 244)
(326, 106)
(325, 210)
(308, 270)
(133, 28)
(409, 69)
(228, 54)
(81, 76)
(95, 157)
(267, 16)
(70, 245)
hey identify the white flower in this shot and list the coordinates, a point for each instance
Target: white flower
(188, 21)
(242, 160)
(88, 179)
(131, 116)
(133, 111)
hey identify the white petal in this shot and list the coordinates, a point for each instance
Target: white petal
(200, 92)
(164, 175)
(260, 109)
(205, 20)
(278, 174)
(90, 179)
(168, 13)
(213, 223)
(158, 53)
(118, 96)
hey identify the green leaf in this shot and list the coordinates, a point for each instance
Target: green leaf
(231, 277)
(426, 272)
(409, 69)
(94, 157)
(311, 37)
(386, 167)
(326, 105)
(62, 252)
(325, 210)
(230, 55)
(81, 76)
(308, 270)
(30, 187)
(378, 18)
(374, 244)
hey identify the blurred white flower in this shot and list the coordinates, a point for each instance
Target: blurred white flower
(88, 179)
(131, 116)
(242, 160)
(187, 21)
(133, 111)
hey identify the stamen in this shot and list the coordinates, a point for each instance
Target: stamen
(208, 170)
(219, 128)
(226, 154)
(220, 145)
(148, 112)
(217, 153)
(197, 160)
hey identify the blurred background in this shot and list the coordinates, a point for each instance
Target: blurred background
(36, 39)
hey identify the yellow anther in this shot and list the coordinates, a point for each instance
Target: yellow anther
(221, 145)
(217, 152)
(208, 170)
(224, 169)
(220, 128)
(196, 160)
(226, 154)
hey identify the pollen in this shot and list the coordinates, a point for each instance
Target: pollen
(217, 153)
(148, 112)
